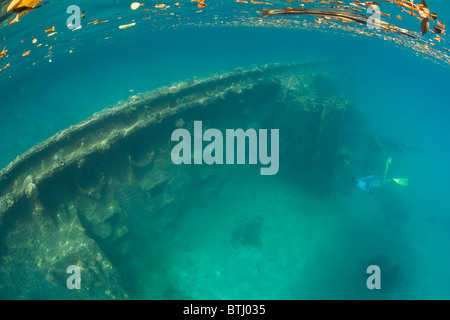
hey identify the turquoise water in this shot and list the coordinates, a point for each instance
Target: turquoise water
(255, 237)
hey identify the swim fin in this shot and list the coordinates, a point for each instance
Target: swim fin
(402, 182)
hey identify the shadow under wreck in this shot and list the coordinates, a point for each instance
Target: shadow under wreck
(90, 194)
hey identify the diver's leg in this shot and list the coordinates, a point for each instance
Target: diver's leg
(380, 183)
(377, 184)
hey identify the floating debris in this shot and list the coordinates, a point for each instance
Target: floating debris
(339, 15)
(22, 7)
(98, 22)
(425, 26)
(125, 26)
(16, 19)
(136, 5)
(345, 12)
(3, 52)
(201, 3)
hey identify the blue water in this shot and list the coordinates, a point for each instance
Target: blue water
(302, 247)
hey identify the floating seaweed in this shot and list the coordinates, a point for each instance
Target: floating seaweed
(349, 16)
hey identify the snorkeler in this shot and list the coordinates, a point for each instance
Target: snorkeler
(366, 184)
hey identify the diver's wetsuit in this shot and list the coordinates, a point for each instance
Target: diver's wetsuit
(367, 183)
